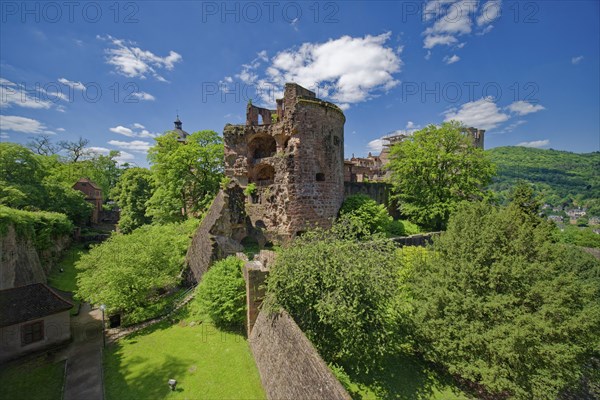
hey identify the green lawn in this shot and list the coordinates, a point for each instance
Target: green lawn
(33, 379)
(403, 376)
(206, 362)
(66, 280)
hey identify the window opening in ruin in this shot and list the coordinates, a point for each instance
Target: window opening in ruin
(262, 147)
(320, 177)
(265, 175)
(260, 119)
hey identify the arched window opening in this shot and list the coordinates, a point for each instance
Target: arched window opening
(262, 147)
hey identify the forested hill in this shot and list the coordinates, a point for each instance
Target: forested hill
(560, 177)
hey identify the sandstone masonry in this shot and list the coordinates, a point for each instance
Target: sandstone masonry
(294, 156)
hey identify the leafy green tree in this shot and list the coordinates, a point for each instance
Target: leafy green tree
(128, 272)
(501, 304)
(523, 197)
(26, 183)
(132, 192)
(222, 293)
(186, 175)
(435, 169)
(340, 292)
(366, 212)
(584, 237)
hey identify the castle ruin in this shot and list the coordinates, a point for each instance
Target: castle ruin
(293, 159)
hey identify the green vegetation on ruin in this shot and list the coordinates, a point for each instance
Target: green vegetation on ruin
(38, 226)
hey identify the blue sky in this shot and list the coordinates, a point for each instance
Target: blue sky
(117, 73)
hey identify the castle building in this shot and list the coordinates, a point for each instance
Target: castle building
(291, 160)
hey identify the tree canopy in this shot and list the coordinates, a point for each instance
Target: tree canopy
(126, 272)
(499, 303)
(186, 175)
(435, 169)
(132, 192)
(27, 182)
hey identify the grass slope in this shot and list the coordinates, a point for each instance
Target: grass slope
(557, 175)
(206, 362)
(33, 379)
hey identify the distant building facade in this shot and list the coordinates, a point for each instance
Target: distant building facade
(32, 318)
(93, 195)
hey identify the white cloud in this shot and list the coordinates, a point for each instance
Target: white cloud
(451, 60)
(121, 130)
(4, 136)
(535, 143)
(448, 19)
(134, 62)
(143, 96)
(137, 146)
(121, 158)
(490, 11)
(452, 18)
(375, 146)
(137, 131)
(434, 40)
(576, 60)
(12, 94)
(523, 108)
(60, 129)
(72, 84)
(347, 70)
(21, 124)
(485, 30)
(482, 114)
(512, 126)
(410, 125)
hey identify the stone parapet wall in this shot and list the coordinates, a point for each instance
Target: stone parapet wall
(289, 365)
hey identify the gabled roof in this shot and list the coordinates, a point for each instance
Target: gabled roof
(89, 182)
(26, 303)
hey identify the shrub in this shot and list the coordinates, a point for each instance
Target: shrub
(222, 293)
(365, 212)
(340, 292)
(402, 228)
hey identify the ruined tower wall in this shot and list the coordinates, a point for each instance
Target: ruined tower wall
(295, 162)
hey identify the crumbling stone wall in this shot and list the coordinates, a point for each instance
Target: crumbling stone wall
(220, 232)
(295, 160)
(289, 365)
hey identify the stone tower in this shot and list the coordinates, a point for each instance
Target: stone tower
(294, 156)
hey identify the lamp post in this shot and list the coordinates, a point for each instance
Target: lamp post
(102, 308)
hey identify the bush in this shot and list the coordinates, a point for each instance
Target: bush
(366, 213)
(340, 292)
(222, 293)
(402, 228)
(501, 304)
